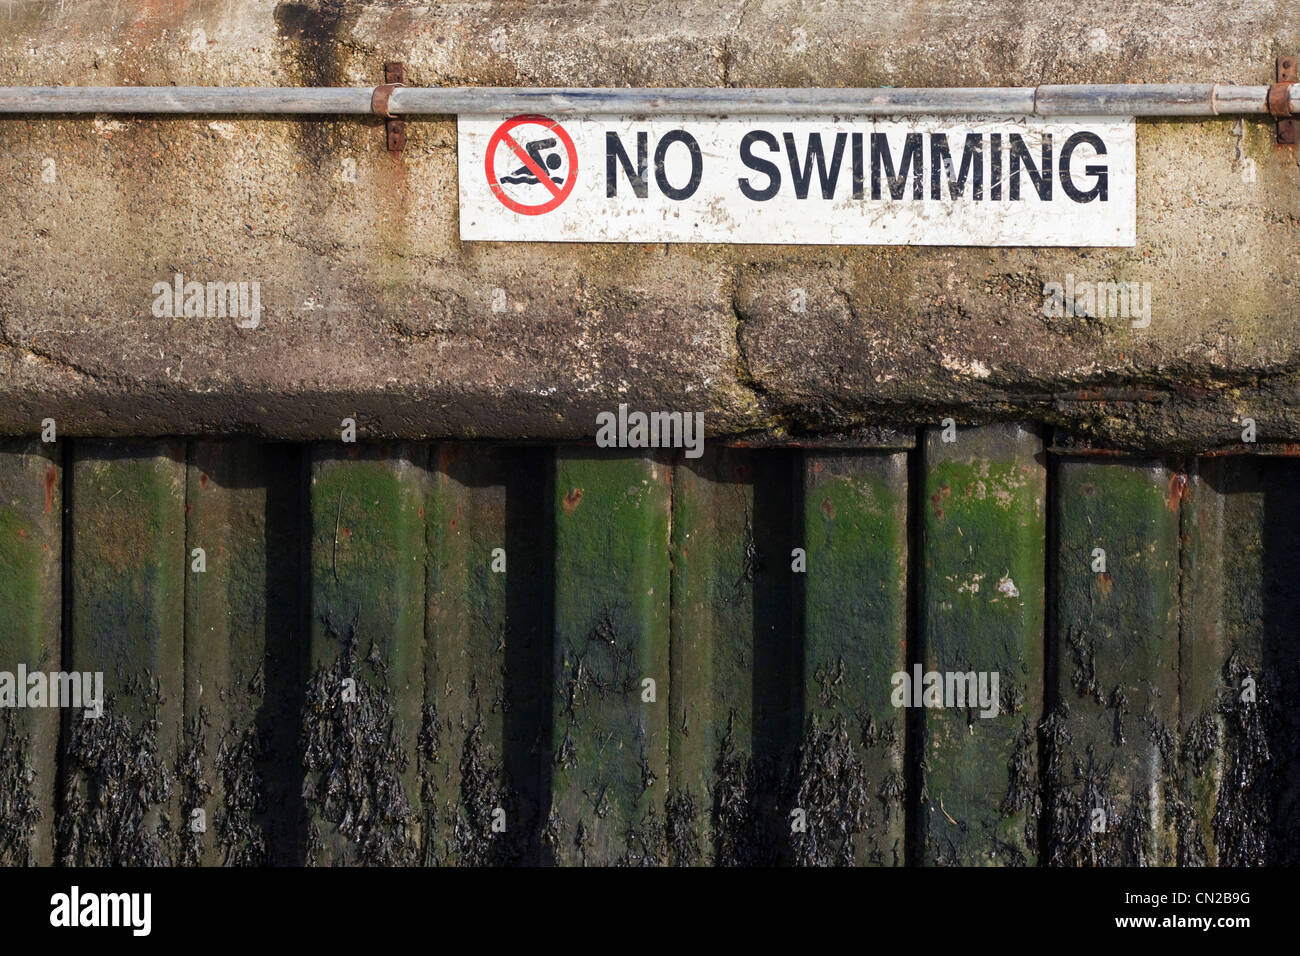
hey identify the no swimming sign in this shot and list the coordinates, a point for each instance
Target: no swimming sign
(799, 180)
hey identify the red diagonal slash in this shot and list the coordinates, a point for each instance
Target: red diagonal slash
(542, 175)
(556, 193)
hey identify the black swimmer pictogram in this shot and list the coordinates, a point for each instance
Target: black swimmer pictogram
(549, 152)
(523, 176)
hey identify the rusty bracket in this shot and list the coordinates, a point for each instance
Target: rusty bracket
(1279, 101)
(394, 126)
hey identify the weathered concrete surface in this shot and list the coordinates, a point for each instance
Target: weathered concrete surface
(372, 307)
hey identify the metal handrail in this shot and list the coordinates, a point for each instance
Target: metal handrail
(1138, 100)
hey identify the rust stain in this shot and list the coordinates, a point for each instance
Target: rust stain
(448, 455)
(1105, 583)
(572, 500)
(1178, 492)
(51, 476)
(828, 509)
(817, 467)
(937, 499)
(203, 480)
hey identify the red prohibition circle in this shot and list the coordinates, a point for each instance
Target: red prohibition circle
(558, 194)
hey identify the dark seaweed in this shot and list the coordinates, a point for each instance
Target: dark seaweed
(18, 810)
(115, 791)
(834, 794)
(1243, 811)
(682, 820)
(239, 761)
(355, 759)
(194, 789)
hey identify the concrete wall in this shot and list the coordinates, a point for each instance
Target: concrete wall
(373, 308)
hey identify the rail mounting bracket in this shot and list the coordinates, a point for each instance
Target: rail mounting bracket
(1279, 100)
(394, 126)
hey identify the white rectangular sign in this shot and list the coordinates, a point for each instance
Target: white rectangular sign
(786, 180)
